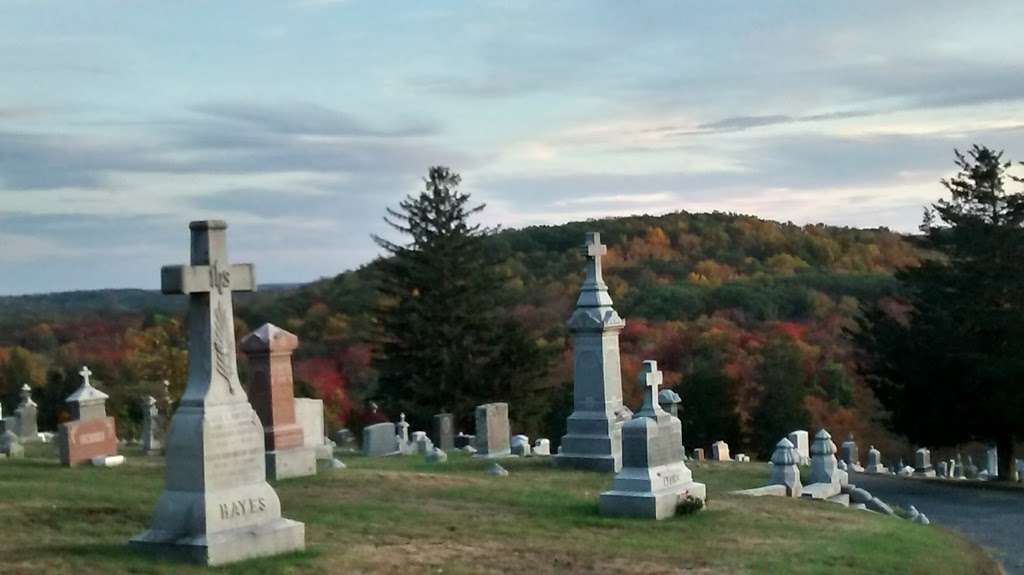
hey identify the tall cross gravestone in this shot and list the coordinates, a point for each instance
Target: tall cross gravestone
(593, 438)
(217, 506)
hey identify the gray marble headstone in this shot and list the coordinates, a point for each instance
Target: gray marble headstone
(593, 438)
(380, 439)
(941, 469)
(824, 467)
(875, 461)
(421, 443)
(346, 440)
(923, 463)
(720, 451)
(492, 431)
(653, 479)
(309, 414)
(801, 442)
(402, 429)
(785, 468)
(669, 401)
(444, 431)
(217, 506)
(151, 427)
(849, 452)
(521, 445)
(26, 414)
(992, 461)
(542, 447)
(10, 445)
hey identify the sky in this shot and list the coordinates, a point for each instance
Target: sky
(300, 121)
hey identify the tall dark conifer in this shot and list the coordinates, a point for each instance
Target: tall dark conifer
(950, 364)
(447, 342)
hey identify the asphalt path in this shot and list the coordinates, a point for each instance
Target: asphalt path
(994, 518)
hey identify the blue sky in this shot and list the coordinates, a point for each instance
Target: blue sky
(299, 121)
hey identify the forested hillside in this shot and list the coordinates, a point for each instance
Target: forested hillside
(746, 317)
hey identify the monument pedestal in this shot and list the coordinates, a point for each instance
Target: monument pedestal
(289, 463)
(273, 538)
(654, 492)
(594, 443)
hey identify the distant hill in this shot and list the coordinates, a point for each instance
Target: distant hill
(62, 305)
(672, 267)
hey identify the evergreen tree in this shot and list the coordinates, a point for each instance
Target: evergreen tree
(708, 411)
(446, 341)
(950, 368)
(784, 383)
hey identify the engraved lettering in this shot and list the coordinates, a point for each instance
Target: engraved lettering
(94, 437)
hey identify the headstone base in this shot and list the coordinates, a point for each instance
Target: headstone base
(601, 463)
(925, 473)
(821, 490)
(288, 463)
(278, 536)
(636, 494)
(504, 454)
(876, 469)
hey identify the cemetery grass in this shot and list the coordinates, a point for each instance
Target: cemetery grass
(400, 514)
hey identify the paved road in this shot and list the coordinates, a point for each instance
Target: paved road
(993, 518)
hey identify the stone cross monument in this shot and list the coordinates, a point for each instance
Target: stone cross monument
(654, 478)
(593, 438)
(217, 506)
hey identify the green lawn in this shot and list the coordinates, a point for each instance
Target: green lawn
(403, 515)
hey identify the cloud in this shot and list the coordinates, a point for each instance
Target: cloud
(739, 123)
(303, 118)
(236, 138)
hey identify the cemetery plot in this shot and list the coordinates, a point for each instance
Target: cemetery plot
(402, 514)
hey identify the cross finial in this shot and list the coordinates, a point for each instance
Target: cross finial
(594, 248)
(650, 378)
(594, 292)
(85, 373)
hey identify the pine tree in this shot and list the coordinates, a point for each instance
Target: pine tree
(951, 368)
(782, 376)
(446, 342)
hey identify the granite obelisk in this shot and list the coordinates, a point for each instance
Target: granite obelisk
(217, 506)
(593, 438)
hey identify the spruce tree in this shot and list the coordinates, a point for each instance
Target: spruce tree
(446, 341)
(950, 366)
